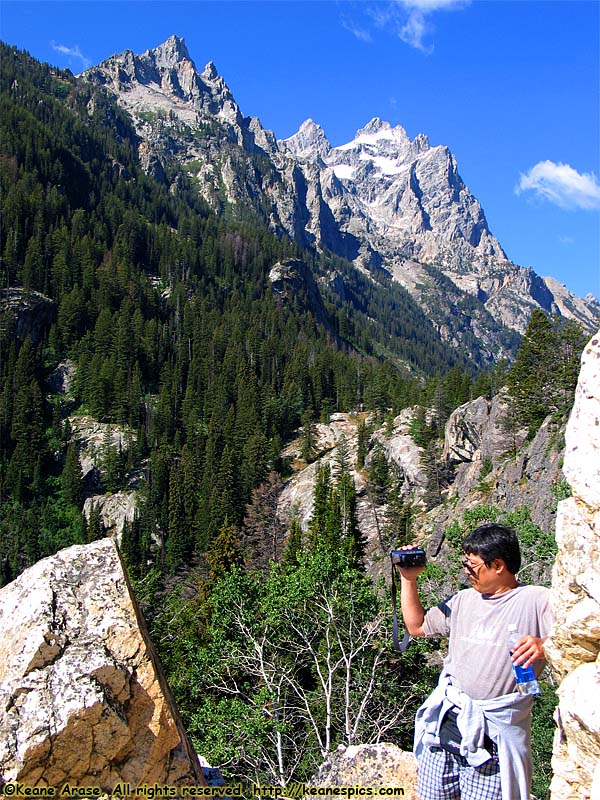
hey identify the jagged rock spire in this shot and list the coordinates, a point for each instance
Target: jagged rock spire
(310, 141)
(170, 53)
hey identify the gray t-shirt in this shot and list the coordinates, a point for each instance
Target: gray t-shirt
(477, 626)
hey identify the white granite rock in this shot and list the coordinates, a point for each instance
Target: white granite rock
(380, 766)
(114, 509)
(582, 454)
(82, 697)
(574, 648)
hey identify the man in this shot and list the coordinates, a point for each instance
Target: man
(472, 735)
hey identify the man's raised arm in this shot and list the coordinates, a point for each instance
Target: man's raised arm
(410, 603)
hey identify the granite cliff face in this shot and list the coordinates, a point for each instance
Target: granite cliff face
(383, 201)
(402, 191)
(481, 463)
(488, 466)
(574, 649)
(82, 697)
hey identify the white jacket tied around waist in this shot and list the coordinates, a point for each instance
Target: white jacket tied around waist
(506, 720)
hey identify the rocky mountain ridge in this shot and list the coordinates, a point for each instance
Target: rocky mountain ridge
(391, 205)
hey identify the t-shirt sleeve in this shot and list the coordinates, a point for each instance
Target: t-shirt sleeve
(437, 619)
(545, 615)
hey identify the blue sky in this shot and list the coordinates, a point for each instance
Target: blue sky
(511, 87)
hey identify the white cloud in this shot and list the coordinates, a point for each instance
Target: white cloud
(414, 29)
(562, 185)
(72, 52)
(432, 5)
(410, 19)
(359, 33)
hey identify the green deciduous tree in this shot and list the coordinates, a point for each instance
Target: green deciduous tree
(296, 666)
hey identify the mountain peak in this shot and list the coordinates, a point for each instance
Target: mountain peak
(210, 71)
(381, 129)
(309, 142)
(375, 125)
(171, 52)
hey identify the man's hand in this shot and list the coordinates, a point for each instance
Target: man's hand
(409, 573)
(528, 649)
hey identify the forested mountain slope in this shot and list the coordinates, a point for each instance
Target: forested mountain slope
(170, 316)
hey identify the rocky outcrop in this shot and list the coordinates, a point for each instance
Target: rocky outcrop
(31, 313)
(465, 431)
(292, 282)
(299, 489)
(380, 766)
(490, 465)
(114, 510)
(574, 649)
(485, 465)
(62, 377)
(401, 452)
(93, 440)
(404, 455)
(82, 697)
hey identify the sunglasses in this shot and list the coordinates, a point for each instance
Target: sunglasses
(472, 568)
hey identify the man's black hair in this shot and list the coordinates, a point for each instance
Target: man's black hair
(492, 541)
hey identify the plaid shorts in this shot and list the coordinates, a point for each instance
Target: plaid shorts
(444, 776)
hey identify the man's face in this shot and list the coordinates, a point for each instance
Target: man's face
(482, 578)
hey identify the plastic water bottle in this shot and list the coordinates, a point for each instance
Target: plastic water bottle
(524, 676)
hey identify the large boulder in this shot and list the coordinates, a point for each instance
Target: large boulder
(464, 430)
(380, 766)
(574, 649)
(82, 697)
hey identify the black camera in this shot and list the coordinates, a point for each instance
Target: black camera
(415, 557)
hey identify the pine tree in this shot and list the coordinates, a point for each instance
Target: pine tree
(94, 529)
(321, 504)
(130, 546)
(433, 469)
(362, 443)
(179, 542)
(352, 539)
(71, 478)
(531, 376)
(571, 341)
(342, 456)
(225, 554)
(309, 436)
(263, 532)
(379, 472)
(294, 544)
